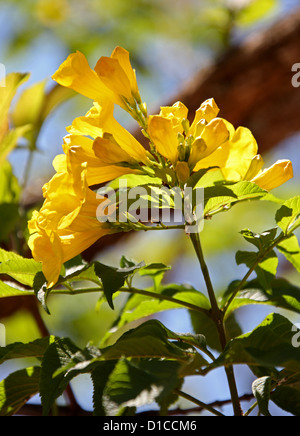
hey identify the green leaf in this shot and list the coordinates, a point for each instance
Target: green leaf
(10, 190)
(266, 268)
(141, 306)
(288, 216)
(18, 350)
(55, 97)
(113, 278)
(281, 294)
(291, 250)
(134, 180)
(142, 382)
(9, 200)
(9, 289)
(21, 269)
(7, 92)
(28, 107)
(222, 197)
(261, 390)
(268, 345)
(58, 354)
(17, 388)
(260, 240)
(99, 377)
(148, 340)
(287, 393)
(10, 140)
(156, 271)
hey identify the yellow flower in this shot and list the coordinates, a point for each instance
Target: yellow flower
(108, 148)
(112, 80)
(274, 176)
(238, 160)
(67, 223)
(177, 141)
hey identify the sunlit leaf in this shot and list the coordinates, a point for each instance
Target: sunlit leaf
(288, 216)
(291, 250)
(268, 345)
(261, 389)
(19, 268)
(281, 294)
(17, 388)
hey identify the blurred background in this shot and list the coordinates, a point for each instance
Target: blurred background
(240, 52)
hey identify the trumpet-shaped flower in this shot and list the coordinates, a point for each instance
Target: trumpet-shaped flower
(112, 80)
(67, 223)
(108, 148)
(184, 145)
(238, 160)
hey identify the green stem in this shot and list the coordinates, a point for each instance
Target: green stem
(218, 318)
(198, 402)
(162, 297)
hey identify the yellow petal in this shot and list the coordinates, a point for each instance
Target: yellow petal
(274, 176)
(176, 113)
(164, 137)
(255, 167)
(109, 152)
(123, 58)
(67, 223)
(207, 111)
(235, 156)
(75, 73)
(113, 76)
(214, 135)
(46, 248)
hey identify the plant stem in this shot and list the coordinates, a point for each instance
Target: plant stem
(190, 306)
(198, 402)
(218, 318)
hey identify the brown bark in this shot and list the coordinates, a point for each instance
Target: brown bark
(252, 84)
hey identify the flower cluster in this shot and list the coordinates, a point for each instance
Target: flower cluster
(97, 149)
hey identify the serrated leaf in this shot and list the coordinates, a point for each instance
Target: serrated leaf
(268, 345)
(58, 354)
(221, 197)
(113, 278)
(100, 376)
(260, 240)
(141, 306)
(142, 382)
(21, 269)
(287, 396)
(148, 340)
(266, 268)
(19, 350)
(10, 289)
(17, 388)
(291, 250)
(288, 216)
(281, 294)
(261, 390)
